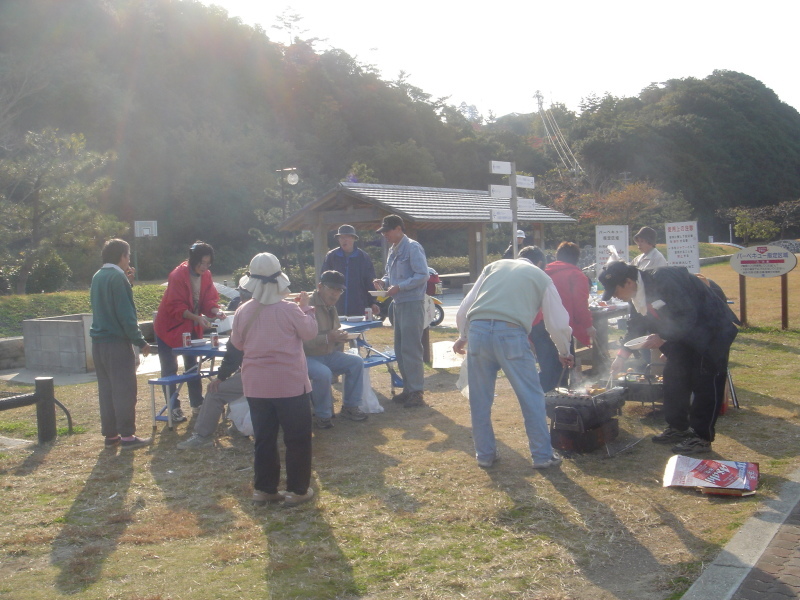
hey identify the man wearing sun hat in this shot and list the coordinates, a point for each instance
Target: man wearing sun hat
(650, 258)
(692, 327)
(358, 271)
(325, 356)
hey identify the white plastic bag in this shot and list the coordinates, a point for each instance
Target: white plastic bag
(444, 357)
(239, 413)
(463, 382)
(369, 401)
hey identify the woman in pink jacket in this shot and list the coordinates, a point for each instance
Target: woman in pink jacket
(270, 332)
(188, 302)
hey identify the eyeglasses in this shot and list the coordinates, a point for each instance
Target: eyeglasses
(333, 289)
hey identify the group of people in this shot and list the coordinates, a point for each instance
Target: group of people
(282, 354)
(523, 310)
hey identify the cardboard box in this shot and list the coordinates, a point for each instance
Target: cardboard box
(723, 477)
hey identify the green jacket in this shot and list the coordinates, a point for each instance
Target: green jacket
(114, 313)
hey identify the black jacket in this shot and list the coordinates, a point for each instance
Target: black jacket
(691, 314)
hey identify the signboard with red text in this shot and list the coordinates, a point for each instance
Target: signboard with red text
(763, 261)
(682, 245)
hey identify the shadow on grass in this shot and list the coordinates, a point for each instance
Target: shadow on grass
(94, 523)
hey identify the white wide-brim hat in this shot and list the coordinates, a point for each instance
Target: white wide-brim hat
(265, 279)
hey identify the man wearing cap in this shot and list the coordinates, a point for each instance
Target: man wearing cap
(650, 258)
(358, 271)
(325, 356)
(509, 253)
(692, 327)
(405, 279)
(496, 316)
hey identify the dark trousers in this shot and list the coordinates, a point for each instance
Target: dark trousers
(169, 366)
(694, 390)
(115, 367)
(551, 373)
(293, 415)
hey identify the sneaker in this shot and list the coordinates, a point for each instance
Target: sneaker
(196, 410)
(295, 499)
(323, 423)
(177, 415)
(415, 399)
(485, 463)
(671, 435)
(136, 442)
(112, 441)
(261, 498)
(401, 397)
(692, 445)
(554, 461)
(353, 413)
(196, 441)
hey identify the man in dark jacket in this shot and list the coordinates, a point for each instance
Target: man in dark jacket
(358, 271)
(692, 328)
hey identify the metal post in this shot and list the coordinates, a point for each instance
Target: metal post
(785, 301)
(45, 409)
(512, 180)
(742, 301)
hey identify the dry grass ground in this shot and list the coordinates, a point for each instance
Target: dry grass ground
(403, 511)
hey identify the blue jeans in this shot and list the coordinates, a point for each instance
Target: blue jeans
(169, 366)
(495, 345)
(409, 323)
(321, 370)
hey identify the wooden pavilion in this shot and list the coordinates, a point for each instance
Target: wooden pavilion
(364, 205)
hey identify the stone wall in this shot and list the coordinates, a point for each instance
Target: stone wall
(12, 353)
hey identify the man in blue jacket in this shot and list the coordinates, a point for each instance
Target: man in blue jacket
(405, 279)
(358, 271)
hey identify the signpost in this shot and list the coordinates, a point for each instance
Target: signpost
(145, 229)
(764, 261)
(610, 235)
(500, 215)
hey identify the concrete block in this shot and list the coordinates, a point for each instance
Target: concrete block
(49, 343)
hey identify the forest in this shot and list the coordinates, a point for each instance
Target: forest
(114, 111)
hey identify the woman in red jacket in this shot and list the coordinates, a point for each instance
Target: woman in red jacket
(190, 298)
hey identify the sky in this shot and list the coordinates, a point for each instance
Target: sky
(497, 55)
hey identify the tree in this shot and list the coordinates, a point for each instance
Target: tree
(787, 214)
(50, 191)
(749, 225)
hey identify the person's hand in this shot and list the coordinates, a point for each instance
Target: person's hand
(376, 310)
(393, 291)
(459, 345)
(336, 336)
(145, 350)
(378, 283)
(618, 366)
(567, 361)
(303, 299)
(213, 386)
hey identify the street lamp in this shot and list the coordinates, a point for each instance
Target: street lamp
(287, 175)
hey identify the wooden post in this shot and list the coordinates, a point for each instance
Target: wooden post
(785, 301)
(45, 409)
(742, 301)
(426, 345)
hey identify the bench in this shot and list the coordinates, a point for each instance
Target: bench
(178, 381)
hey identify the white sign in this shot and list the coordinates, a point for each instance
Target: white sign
(500, 191)
(526, 182)
(527, 204)
(763, 261)
(501, 215)
(145, 228)
(610, 235)
(682, 245)
(501, 168)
